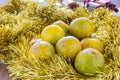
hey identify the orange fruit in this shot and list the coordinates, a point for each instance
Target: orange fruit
(92, 43)
(42, 49)
(63, 25)
(52, 33)
(68, 46)
(81, 28)
(89, 61)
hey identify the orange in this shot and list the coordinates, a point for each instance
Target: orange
(68, 46)
(52, 33)
(42, 49)
(63, 25)
(81, 28)
(89, 61)
(92, 43)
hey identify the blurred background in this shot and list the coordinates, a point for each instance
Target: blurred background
(81, 2)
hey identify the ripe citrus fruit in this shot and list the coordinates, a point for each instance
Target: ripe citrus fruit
(89, 61)
(52, 33)
(63, 25)
(42, 50)
(81, 28)
(68, 46)
(92, 43)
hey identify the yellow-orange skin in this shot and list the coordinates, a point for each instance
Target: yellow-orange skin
(42, 49)
(81, 28)
(63, 25)
(92, 43)
(89, 61)
(52, 33)
(68, 46)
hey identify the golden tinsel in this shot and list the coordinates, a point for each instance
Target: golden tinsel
(23, 20)
(25, 66)
(22, 17)
(108, 31)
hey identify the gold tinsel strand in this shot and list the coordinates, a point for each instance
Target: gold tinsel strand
(21, 21)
